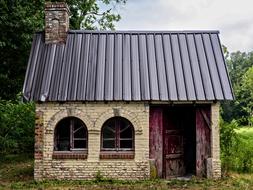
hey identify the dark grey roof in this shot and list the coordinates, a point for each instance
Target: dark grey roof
(128, 66)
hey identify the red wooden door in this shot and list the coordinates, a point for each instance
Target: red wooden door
(156, 138)
(173, 144)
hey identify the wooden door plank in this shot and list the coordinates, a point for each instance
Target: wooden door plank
(203, 142)
(156, 138)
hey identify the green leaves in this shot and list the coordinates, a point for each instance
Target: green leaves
(17, 122)
(236, 147)
(18, 21)
(93, 14)
(240, 71)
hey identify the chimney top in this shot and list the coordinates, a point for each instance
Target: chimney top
(57, 6)
(56, 22)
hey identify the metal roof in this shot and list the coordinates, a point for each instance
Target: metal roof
(128, 66)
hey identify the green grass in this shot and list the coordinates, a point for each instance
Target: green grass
(16, 172)
(16, 167)
(246, 133)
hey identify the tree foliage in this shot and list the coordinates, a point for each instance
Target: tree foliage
(247, 90)
(240, 71)
(16, 127)
(85, 14)
(19, 20)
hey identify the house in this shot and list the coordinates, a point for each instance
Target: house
(125, 104)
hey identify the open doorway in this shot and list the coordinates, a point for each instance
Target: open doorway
(173, 140)
(179, 149)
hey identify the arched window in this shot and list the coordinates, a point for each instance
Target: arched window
(70, 135)
(117, 135)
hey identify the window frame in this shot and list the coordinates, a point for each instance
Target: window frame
(72, 139)
(117, 138)
(72, 136)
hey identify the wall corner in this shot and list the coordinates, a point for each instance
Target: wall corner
(214, 163)
(38, 146)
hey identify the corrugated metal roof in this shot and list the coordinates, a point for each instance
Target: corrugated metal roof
(128, 66)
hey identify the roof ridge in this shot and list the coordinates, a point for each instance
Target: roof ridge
(141, 31)
(146, 31)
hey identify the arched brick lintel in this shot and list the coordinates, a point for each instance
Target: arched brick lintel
(133, 118)
(69, 113)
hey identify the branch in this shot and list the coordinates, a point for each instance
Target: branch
(98, 14)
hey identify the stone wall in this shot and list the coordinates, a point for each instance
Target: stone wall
(93, 115)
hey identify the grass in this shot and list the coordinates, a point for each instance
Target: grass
(16, 167)
(16, 172)
(246, 133)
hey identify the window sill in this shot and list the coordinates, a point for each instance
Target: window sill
(116, 155)
(70, 155)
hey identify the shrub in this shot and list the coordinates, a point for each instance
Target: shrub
(16, 127)
(229, 144)
(244, 156)
(236, 149)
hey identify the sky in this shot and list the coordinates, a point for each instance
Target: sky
(233, 18)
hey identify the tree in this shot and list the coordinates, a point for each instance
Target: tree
(19, 20)
(246, 92)
(239, 65)
(86, 14)
(16, 126)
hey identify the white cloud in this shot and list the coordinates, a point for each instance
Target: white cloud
(233, 18)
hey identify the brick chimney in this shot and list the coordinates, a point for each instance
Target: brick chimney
(56, 22)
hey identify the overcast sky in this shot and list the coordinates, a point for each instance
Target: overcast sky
(233, 18)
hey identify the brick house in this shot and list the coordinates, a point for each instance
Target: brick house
(127, 104)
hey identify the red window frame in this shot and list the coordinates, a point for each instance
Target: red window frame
(117, 121)
(72, 138)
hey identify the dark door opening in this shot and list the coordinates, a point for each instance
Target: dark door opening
(189, 126)
(179, 157)
(173, 140)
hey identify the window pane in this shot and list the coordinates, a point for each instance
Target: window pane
(126, 132)
(108, 143)
(63, 129)
(80, 144)
(80, 133)
(63, 135)
(109, 132)
(126, 144)
(63, 144)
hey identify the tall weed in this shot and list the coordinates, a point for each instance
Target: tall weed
(236, 149)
